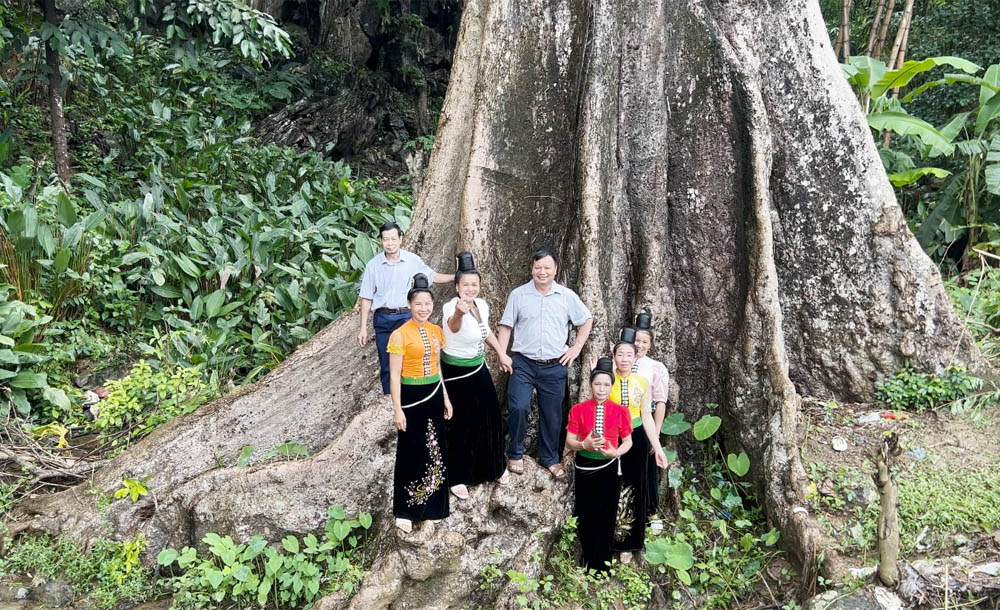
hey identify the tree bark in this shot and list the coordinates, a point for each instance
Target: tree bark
(888, 519)
(57, 121)
(678, 169)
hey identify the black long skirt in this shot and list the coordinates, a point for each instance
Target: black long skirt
(475, 430)
(420, 481)
(597, 486)
(653, 506)
(630, 531)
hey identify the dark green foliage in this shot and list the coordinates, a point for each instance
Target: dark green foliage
(180, 238)
(909, 389)
(256, 573)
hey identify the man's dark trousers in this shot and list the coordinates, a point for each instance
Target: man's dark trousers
(549, 380)
(385, 323)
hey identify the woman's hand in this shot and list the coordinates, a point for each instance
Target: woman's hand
(592, 443)
(506, 363)
(463, 305)
(593, 362)
(661, 458)
(447, 407)
(399, 418)
(610, 452)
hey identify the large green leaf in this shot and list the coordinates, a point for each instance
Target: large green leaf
(677, 555)
(990, 84)
(987, 112)
(905, 73)
(65, 210)
(706, 427)
(62, 260)
(946, 208)
(908, 125)
(993, 166)
(674, 424)
(29, 381)
(867, 71)
(912, 175)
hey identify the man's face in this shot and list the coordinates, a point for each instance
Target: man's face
(543, 271)
(390, 241)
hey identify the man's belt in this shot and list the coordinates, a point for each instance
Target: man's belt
(541, 362)
(393, 310)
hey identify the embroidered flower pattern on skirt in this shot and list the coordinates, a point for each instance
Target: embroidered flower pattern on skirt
(625, 516)
(420, 491)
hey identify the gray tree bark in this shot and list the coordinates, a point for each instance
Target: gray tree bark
(703, 160)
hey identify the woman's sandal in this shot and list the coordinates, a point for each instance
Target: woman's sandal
(461, 492)
(504, 478)
(404, 525)
(516, 466)
(557, 471)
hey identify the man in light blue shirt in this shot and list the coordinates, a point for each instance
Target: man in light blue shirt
(384, 285)
(539, 313)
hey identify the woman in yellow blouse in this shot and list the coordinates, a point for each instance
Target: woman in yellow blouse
(632, 391)
(420, 405)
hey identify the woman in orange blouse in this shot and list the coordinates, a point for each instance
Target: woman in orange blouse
(420, 405)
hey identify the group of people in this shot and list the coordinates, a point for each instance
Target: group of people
(448, 417)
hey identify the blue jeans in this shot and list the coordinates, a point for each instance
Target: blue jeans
(549, 380)
(385, 323)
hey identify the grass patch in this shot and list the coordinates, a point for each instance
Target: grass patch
(108, 575)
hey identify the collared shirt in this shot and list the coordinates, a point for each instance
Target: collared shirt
(656, 374)
(420, 346)
(628, 391)
(616, 423)
(469, 341)
(385, 284)
(541, 322)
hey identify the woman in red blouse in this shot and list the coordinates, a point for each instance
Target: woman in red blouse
(599, 431)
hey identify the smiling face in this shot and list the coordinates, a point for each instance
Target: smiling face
(390, 242)
(468, 286)
(624, 358)
(543, 271)
(600, 386)
(421, 306)
(643, 341)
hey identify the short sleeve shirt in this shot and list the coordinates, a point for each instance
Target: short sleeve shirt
(385, 284)
(628, 392)
(617, 423)
(655, 373)
(541, 322)
(420, 345)
(470, 339)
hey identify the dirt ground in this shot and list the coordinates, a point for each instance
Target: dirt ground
(954, 453)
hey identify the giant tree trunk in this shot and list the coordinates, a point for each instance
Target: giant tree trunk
(700, 159)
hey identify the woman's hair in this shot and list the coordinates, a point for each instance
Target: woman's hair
(419, 284)
(621, 343)
(460, 274)
(604, 366)
(648, 331)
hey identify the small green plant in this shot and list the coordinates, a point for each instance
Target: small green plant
(911, 390)
(109, 574)
(133, 489)
(146, 398)
(254, 573)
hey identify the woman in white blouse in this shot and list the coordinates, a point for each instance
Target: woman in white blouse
(475, 432)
